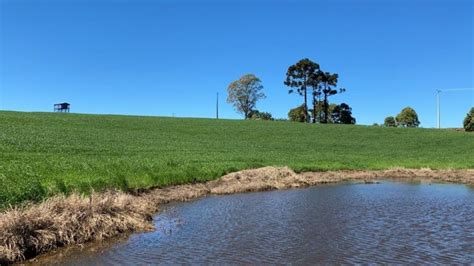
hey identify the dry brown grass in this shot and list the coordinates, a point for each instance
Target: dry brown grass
(76, 219)
(465, 176)
(62, 221)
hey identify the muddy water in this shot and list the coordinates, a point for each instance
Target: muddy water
(388, 222)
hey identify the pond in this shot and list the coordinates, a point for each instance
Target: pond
(389, 222)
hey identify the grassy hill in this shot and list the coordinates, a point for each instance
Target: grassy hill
(42, 154)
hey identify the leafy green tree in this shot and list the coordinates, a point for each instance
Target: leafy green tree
(328, 81)
(314, 82)
(390, 122)
(317, 113)
(300, 76)
(257, 115)
(342, 114)
(469, 121)
(298, 114)
(244, 93)
(408, 118)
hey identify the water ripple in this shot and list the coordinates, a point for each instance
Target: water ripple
(349, 223)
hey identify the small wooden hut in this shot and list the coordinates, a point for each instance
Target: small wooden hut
(62, 107)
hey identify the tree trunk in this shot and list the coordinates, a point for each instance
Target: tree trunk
(305, 105)
(326, 107)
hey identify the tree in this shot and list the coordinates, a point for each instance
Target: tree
(314, 82)
(244, 93)
(257, 115)
(342, 114)
(328, 81)
(318, 112)
(390, 122)
(469, 121)
(300, 76)
(408, 118)
(298, 114)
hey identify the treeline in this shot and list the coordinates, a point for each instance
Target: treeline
(409, 118)
(307, 79)
(304, 78)
(406, 118)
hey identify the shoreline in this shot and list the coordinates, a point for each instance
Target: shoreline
(73, 220)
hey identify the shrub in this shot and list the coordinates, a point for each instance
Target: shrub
(257, 115)
(390, 122)
(297, 114)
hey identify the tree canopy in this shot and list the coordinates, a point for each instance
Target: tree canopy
(469, 121)
(257, 115)
(342, 114)
(318, 112)
(408, 118)
(390, 122)
(244, 93)
(305, 75)
(327, 83)
(298, 114)
(301, 76)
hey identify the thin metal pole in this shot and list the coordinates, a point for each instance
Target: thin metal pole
(217, 106)
(438, 110)
(438, 100)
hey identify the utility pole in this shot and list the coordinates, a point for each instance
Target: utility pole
(438, 101)
(217, 106)
(438, 111)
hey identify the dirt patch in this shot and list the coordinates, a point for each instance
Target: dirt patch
(76, 219)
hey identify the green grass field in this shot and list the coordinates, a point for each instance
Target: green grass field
(42, 154)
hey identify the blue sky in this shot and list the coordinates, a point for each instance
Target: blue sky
(171, 57)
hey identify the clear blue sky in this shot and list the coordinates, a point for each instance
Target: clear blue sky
(171, 57)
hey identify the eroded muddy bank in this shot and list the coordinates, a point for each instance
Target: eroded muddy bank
(61, 221)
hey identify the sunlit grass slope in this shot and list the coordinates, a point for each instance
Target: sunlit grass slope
(42, 154)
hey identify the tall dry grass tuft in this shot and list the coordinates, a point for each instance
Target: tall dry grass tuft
(75, 219)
